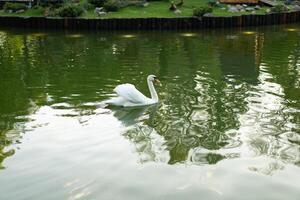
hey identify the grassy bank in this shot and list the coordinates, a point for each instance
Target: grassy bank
(153, 9)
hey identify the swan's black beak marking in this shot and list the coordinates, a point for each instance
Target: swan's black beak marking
(156, 80)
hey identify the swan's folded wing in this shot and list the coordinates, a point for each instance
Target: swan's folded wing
(130, 93)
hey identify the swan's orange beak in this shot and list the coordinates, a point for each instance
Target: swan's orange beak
(157, 81)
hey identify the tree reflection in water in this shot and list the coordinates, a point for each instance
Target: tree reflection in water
(225, 95)
(149, 144)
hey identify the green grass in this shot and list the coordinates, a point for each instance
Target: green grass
(161, 9)
(28, 13)
(154, 9)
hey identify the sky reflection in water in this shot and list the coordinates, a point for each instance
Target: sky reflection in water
(227, 123)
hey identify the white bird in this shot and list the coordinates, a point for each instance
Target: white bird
(129, 96)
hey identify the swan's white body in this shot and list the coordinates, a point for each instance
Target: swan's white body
(129, 96)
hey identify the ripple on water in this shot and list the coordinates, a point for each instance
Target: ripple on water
(228, 118)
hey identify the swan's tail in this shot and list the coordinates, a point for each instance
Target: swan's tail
(101, 108)
(115, 101)
(102, 104)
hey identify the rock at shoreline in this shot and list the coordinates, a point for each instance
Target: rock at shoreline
(257, 7)
(20, 11)
(100, 11)
(239, 7)
(208, 15)
(146, 4)
(177, 12)
(296, 8)
(249, 9)
(233, 9)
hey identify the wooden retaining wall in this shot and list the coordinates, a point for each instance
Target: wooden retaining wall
(151, 23)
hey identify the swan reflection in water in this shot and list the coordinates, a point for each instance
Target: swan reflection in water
(131, 115)
(149, 144)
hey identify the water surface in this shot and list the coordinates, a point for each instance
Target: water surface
(227, 125)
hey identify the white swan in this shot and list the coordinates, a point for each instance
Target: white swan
(129, 96)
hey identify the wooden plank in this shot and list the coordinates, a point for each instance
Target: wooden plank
(150, 23)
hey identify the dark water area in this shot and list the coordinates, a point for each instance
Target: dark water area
(227, 125)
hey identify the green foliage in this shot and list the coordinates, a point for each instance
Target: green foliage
(70, 10)
(213, 158)
(200, 11)
(111, 5)
(14, 6)
(279, 8)
(53, 4)
(212, 3)
(88, 6)
(35, 7)
(288, 2)
(97, 3)
(130, 8)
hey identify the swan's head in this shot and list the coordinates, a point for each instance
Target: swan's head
(153, 78)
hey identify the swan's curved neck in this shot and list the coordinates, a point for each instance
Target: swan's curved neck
(153, 92)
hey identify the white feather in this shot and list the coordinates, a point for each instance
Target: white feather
(130, 93)
(129, 96)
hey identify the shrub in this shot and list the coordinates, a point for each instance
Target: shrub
(288, 2)
(36, 7)
(111, 5)
(97, 3)
(212, 3)
(48, 3)
(14, 6)
(279, 8)
(87, 6)
(200, 11)
(70, 10)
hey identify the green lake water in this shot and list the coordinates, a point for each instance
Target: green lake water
(227, 125)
